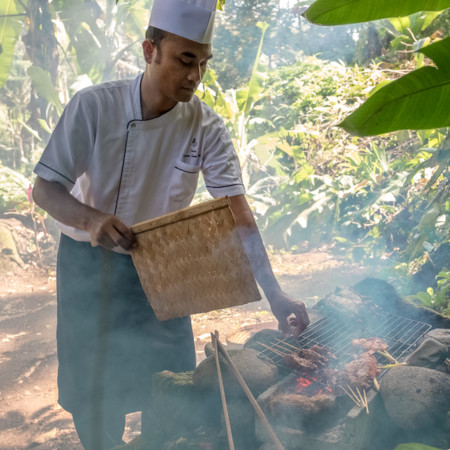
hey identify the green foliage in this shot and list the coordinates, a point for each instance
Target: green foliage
(236, 105)
(414, 446)
(439, 300)
(338, 12)
(419, 100)
(13, 190)
(409, 102)
(44, 86)
(11, 22)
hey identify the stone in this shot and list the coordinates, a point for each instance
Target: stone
(177, 407)
(430, 353)
(266, 336)
(440, 334)
(416, 398)
(257, 373)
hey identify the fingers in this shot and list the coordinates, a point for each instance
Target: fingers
(124, 236)
(284, 327)
(302, 319)
(110, 232)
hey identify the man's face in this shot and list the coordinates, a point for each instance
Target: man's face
(177, 66)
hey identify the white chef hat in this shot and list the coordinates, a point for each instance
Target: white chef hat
(191, 19)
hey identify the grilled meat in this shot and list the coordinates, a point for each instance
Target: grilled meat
(324, 351)
(361, 371)
(295, 362)
(307, 359)
(313, 356)
(370, 345)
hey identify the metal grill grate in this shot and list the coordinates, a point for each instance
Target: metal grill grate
(398, 332)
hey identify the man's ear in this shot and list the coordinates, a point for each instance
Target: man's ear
(149, 50)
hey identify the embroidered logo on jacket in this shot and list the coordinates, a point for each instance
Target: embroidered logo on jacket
(193, 151)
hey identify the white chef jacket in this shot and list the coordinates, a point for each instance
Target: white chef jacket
(110, 159)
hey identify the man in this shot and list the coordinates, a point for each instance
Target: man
(124, 152)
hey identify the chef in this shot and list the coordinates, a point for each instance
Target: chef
(124, 152)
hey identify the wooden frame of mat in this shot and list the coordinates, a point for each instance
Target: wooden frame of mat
(192, 261)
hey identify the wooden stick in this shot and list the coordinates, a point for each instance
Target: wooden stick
(350, 395)
(284, 348)
(390, 366)
(222, 393)
(276, 351)
(351, 390)
(249, 394)
(387, 356)
(365, 401)
(287, 344)
(376, 385)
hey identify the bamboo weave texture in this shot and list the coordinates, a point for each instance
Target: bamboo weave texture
(193, 261)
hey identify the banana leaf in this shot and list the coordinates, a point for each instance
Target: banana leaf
(43, 84)
(11, 20)
(419, 100)
(415, 446)
(339, 12)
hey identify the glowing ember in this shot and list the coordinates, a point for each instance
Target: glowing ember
(302, 383)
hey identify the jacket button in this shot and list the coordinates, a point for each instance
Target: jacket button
(133, 125)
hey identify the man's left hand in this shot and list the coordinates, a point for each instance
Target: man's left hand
(284, 306)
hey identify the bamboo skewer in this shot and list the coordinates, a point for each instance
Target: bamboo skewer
(387, 356)
(365, 401)
(390, 366)
(287, 344)
(214, 339)
(350, 395)
(276, 351)
(355, 396)
(250, 396)
(376, 385)
(358, 398)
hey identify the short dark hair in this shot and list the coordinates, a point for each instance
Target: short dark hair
(155, 35)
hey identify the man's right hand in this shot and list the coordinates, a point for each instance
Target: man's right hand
(109, 232)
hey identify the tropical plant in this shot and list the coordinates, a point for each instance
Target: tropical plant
(418, 100)
(438, 300)
(236, 105)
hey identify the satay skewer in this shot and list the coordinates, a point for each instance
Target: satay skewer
(287, 344)
(360, 396)
(350, 395)
(387, 356)
(376, 385)
(358, 399)
(390, 366)
(276, 351)
(365, 401)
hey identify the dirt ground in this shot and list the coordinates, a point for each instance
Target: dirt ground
(30, 416)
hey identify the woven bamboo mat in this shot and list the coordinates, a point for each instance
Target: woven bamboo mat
(193, 261)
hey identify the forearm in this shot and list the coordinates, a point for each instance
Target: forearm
(62, 206)
(104, 229)
(254, 246)
(259, 260)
